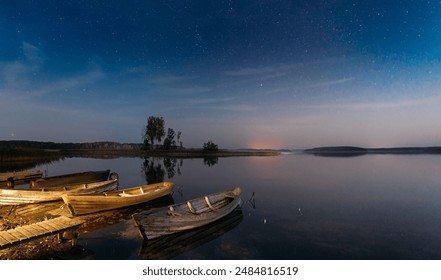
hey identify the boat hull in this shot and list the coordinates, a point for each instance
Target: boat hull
(86, 204)
(69, 179)
(26, 196)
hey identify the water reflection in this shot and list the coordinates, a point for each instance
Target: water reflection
(172, 166)
(295, 206)
(104, 219)
(252, 201)
(15, 166)
(155, 169)
(210, 161)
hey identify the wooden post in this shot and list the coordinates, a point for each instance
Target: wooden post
(74, 237)
(10, 183)
(71, 235)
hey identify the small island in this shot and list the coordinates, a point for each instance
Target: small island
(347, 151)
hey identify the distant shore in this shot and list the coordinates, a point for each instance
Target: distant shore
(26, 153)
(180, 153)
(355, 151)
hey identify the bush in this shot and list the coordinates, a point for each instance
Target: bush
(210, 146)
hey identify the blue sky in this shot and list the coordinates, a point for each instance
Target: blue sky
(261, 74)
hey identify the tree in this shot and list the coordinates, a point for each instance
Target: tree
(154, 130)
(179, 139)
(210, 146)
(169, 141)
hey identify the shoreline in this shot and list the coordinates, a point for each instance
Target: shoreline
(182, 153)
(23, 150)
(16, 159)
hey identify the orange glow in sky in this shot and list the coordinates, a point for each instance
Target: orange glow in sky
(264, 144)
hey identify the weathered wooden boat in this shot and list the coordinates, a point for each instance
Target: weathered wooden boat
(187, 215)
(22, 196)
(86, 204)
(171, 246)
(10, 179)
(73, 178)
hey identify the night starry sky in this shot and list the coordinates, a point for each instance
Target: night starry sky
(259, 74)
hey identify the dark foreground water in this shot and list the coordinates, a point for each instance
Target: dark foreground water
(294, 207)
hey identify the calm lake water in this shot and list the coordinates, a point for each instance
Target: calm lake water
(295, 206)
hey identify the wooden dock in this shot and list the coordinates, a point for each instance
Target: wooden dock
(34, 231)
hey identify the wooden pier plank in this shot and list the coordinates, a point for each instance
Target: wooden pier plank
(58, 223)
(24, 230)
(48, 227)
(6, 235)
(17, 235)
(3, 240)
(37, 230)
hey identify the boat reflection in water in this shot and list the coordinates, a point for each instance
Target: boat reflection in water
(170, 246)
(100, 220)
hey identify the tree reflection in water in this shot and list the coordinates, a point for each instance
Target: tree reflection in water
(210, 161)
(155, 170)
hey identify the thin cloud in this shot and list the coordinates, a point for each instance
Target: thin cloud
(71, 82)
(32, 53)
(331, 83)
(13, 73)
(207, 101)
(19, 81)
(282, 68)
(238, 108)
(251, 71)
(24, 89)
(405, 103)
(189, 90)
(171, 79)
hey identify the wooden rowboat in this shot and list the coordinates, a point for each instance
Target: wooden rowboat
(10, 179)
(171, 246)
(187, 215)
(86, 204)
(71, 179)
(22, 196)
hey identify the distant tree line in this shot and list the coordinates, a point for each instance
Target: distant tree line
(17, 144)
